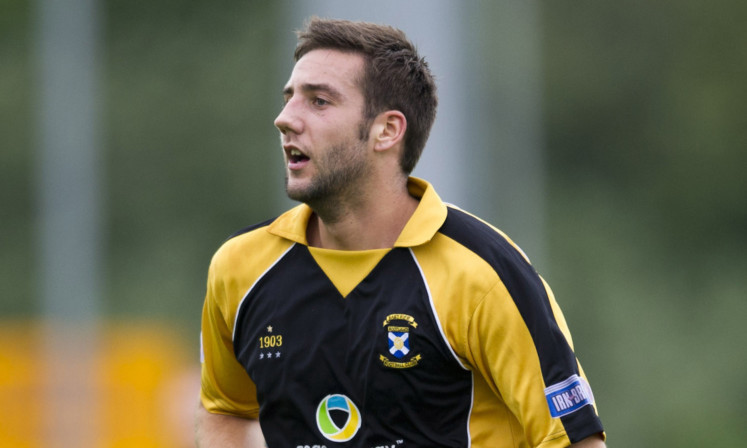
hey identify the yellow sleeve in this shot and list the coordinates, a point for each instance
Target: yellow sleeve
(225, 386)
(504, 352)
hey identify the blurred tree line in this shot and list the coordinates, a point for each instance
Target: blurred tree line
(645, 118)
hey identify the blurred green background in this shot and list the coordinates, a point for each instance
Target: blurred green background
(644, 129)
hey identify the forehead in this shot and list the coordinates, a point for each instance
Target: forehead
(342, 70)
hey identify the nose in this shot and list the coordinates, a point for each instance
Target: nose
(287, 120)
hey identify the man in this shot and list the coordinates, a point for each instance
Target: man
(373, 314)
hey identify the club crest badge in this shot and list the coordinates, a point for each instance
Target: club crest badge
(399, 342)
(399, 328)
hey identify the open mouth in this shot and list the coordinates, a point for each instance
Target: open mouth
(296, 156)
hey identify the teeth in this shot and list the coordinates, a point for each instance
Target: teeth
(295, 152)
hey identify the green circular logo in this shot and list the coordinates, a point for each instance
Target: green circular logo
(327, 426)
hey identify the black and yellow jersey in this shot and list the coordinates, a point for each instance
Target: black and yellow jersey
(448, 339)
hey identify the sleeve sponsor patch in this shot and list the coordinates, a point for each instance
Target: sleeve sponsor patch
(568, 396)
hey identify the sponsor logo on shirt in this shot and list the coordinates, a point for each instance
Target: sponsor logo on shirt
(341, 427)
(400, 354)
(568, 396)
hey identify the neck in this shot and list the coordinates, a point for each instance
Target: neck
(373, 221)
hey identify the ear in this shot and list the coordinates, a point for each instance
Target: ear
(388, 129)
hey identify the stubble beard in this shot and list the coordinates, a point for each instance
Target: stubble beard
(336, 180)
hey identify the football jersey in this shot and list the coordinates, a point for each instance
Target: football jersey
(448, 339)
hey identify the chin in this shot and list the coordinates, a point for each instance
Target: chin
(295, 195)
(296, 190)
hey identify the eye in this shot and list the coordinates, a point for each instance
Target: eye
(319, 102)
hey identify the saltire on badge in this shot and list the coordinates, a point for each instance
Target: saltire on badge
(399, 344)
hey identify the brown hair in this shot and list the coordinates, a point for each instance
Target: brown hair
(395, 77)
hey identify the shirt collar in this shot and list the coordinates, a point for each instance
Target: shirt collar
(422, 226)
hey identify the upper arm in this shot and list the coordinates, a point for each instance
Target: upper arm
(225, 384)
(525, 354)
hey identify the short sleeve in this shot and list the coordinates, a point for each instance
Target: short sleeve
(225, 386)
(520, 343)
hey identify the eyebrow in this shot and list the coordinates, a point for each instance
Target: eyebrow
(309, 87)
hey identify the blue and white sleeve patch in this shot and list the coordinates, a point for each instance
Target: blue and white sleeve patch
(568, 396)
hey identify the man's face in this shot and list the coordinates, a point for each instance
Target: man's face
(320, 126)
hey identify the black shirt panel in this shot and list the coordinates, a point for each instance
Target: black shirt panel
(381, 347)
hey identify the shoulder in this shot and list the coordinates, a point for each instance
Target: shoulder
(482, 238)
(247, 250)
(473, 260)
(476, 276)
(241, 240)
(250, 229)
(499, 257)
(238, 263)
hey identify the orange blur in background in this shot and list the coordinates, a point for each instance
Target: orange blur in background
(137, 387)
